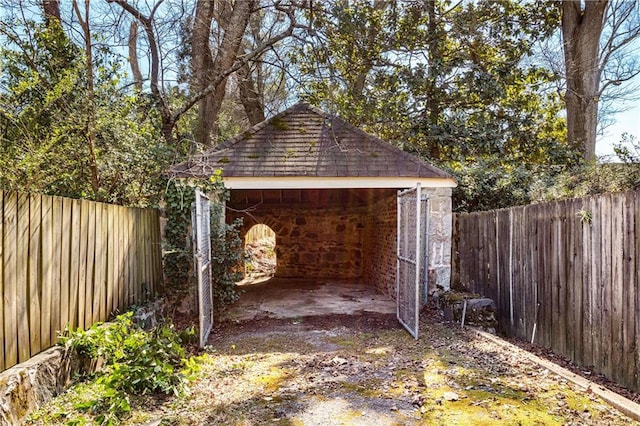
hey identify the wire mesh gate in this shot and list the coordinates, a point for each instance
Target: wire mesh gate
(201, 226)
(412, 272)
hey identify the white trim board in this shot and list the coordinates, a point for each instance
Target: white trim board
(313, 182)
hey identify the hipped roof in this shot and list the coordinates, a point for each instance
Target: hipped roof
(303, 141)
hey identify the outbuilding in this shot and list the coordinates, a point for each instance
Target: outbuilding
(333, 196)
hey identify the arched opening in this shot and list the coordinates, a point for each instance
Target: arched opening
(260, 253)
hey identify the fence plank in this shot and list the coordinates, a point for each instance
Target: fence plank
(111, 261)
(127, 247)
(616, 300)
(628, 306)
(56, 213)
(149, 253)
(596, 282)
(98, 266)
(22, 267)
(636, 286)
(587, 321)
(46, 272)
(122, 251)
(532, 251)
(10, 284)
(34, 284)
(83, 291)
(576, 285)
(568, 277)
(89, 260)
(76, 296)
(138, 256)
(541, 261)
(2, 286)
(462, 257)
(555, 277)
(66, 260)
(605, 284)
(518, 273)
(505, 271)
(143, 256)
(547, 307)
(158, 255)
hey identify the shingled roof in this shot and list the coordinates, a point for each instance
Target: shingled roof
(304, 141)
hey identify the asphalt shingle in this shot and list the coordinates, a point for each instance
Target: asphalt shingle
(304, 141)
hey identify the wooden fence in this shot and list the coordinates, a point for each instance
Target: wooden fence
(569, 270)
(66, 262)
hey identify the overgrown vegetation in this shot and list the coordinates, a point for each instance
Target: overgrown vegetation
(136, 363)
(226, 244)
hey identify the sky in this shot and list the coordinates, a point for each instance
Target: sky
(625, 122)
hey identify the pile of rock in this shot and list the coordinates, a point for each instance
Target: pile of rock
(260, 258)
(479, 311)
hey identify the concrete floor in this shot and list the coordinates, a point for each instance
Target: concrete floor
(294, 297)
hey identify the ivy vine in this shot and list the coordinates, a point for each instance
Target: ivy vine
(226, 245)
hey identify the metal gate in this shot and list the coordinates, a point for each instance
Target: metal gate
(412, 273)
(200, 223)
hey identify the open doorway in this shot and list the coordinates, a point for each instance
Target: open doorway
(260, 253)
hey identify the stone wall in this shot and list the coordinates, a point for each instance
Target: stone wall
(342, 243)
(313, 243)
(380, 244)
(440, 220)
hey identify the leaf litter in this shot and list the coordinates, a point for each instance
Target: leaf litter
(366, 370)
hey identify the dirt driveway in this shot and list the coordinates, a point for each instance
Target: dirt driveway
(365, 370)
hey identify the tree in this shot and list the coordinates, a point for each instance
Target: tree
(233, 19)
(68, 126)
(453, 82)
(582, 25)
(594, 65)
(212, 70)
(91, 113)
(447, 81)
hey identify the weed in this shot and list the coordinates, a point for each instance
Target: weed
(137, 362)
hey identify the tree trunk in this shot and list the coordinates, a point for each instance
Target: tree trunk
(582, 26)
(133, 55)
(433, 105)
(168, 119)
(202, 64)
(233, 20)
(51, 10)
(91, 112)
(249, 96)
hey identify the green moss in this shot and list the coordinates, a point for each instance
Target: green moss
(223, 160)
(254, 156)
(482, 407)
(273, 380)
(279, 124)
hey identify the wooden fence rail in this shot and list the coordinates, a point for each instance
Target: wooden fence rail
(66, 262)
(569, 270)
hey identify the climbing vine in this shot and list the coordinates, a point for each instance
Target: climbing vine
(226, 245)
